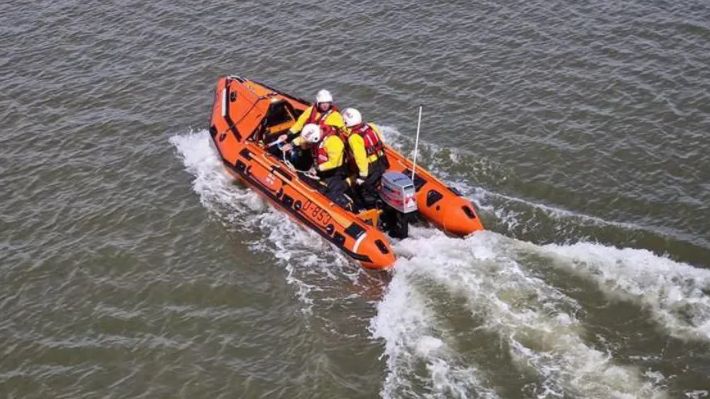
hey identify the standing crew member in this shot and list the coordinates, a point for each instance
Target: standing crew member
(328, 152)
(323, 113)
(368, 150)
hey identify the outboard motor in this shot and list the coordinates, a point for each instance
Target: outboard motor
(398, 193)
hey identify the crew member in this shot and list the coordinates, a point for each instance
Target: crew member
(368, 151)
(324, 114)
(328, 152)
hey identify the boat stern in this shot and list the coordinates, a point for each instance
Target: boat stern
(375, 251)
(460, 218)
(449, 210)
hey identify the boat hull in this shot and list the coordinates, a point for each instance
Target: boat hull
(245, 113)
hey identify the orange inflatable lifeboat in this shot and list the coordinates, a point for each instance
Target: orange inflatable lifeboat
(246, 113)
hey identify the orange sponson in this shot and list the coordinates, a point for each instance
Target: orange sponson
(437, 202)
(245, 112)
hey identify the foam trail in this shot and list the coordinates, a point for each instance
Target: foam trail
(306, 257)
(677, 294)
(215, 188)
(536, 321)
(413, 339)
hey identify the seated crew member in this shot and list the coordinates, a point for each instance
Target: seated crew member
(323, 113)
(328, 152)
(368, 151)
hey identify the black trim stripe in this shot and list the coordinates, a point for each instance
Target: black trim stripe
(281, 172)
(354, 230)
(469, 212)
(307, 222)
(432, 197)
(228, 118)
(418, 181)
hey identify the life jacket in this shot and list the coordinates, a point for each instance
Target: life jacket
(373, 144)
(319, 152)
(320, 119)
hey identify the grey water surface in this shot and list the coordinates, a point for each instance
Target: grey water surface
(131, 266)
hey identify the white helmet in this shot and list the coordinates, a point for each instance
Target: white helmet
(324, 96)
(311, 133)
(352, 117)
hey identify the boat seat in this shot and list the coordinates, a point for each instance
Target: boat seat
(279, 117)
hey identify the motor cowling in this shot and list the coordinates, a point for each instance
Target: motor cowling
(397, 190)
(398, 193)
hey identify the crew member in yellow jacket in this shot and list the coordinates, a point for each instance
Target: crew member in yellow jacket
(324, 114)
(368, 151)
(328, 153)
